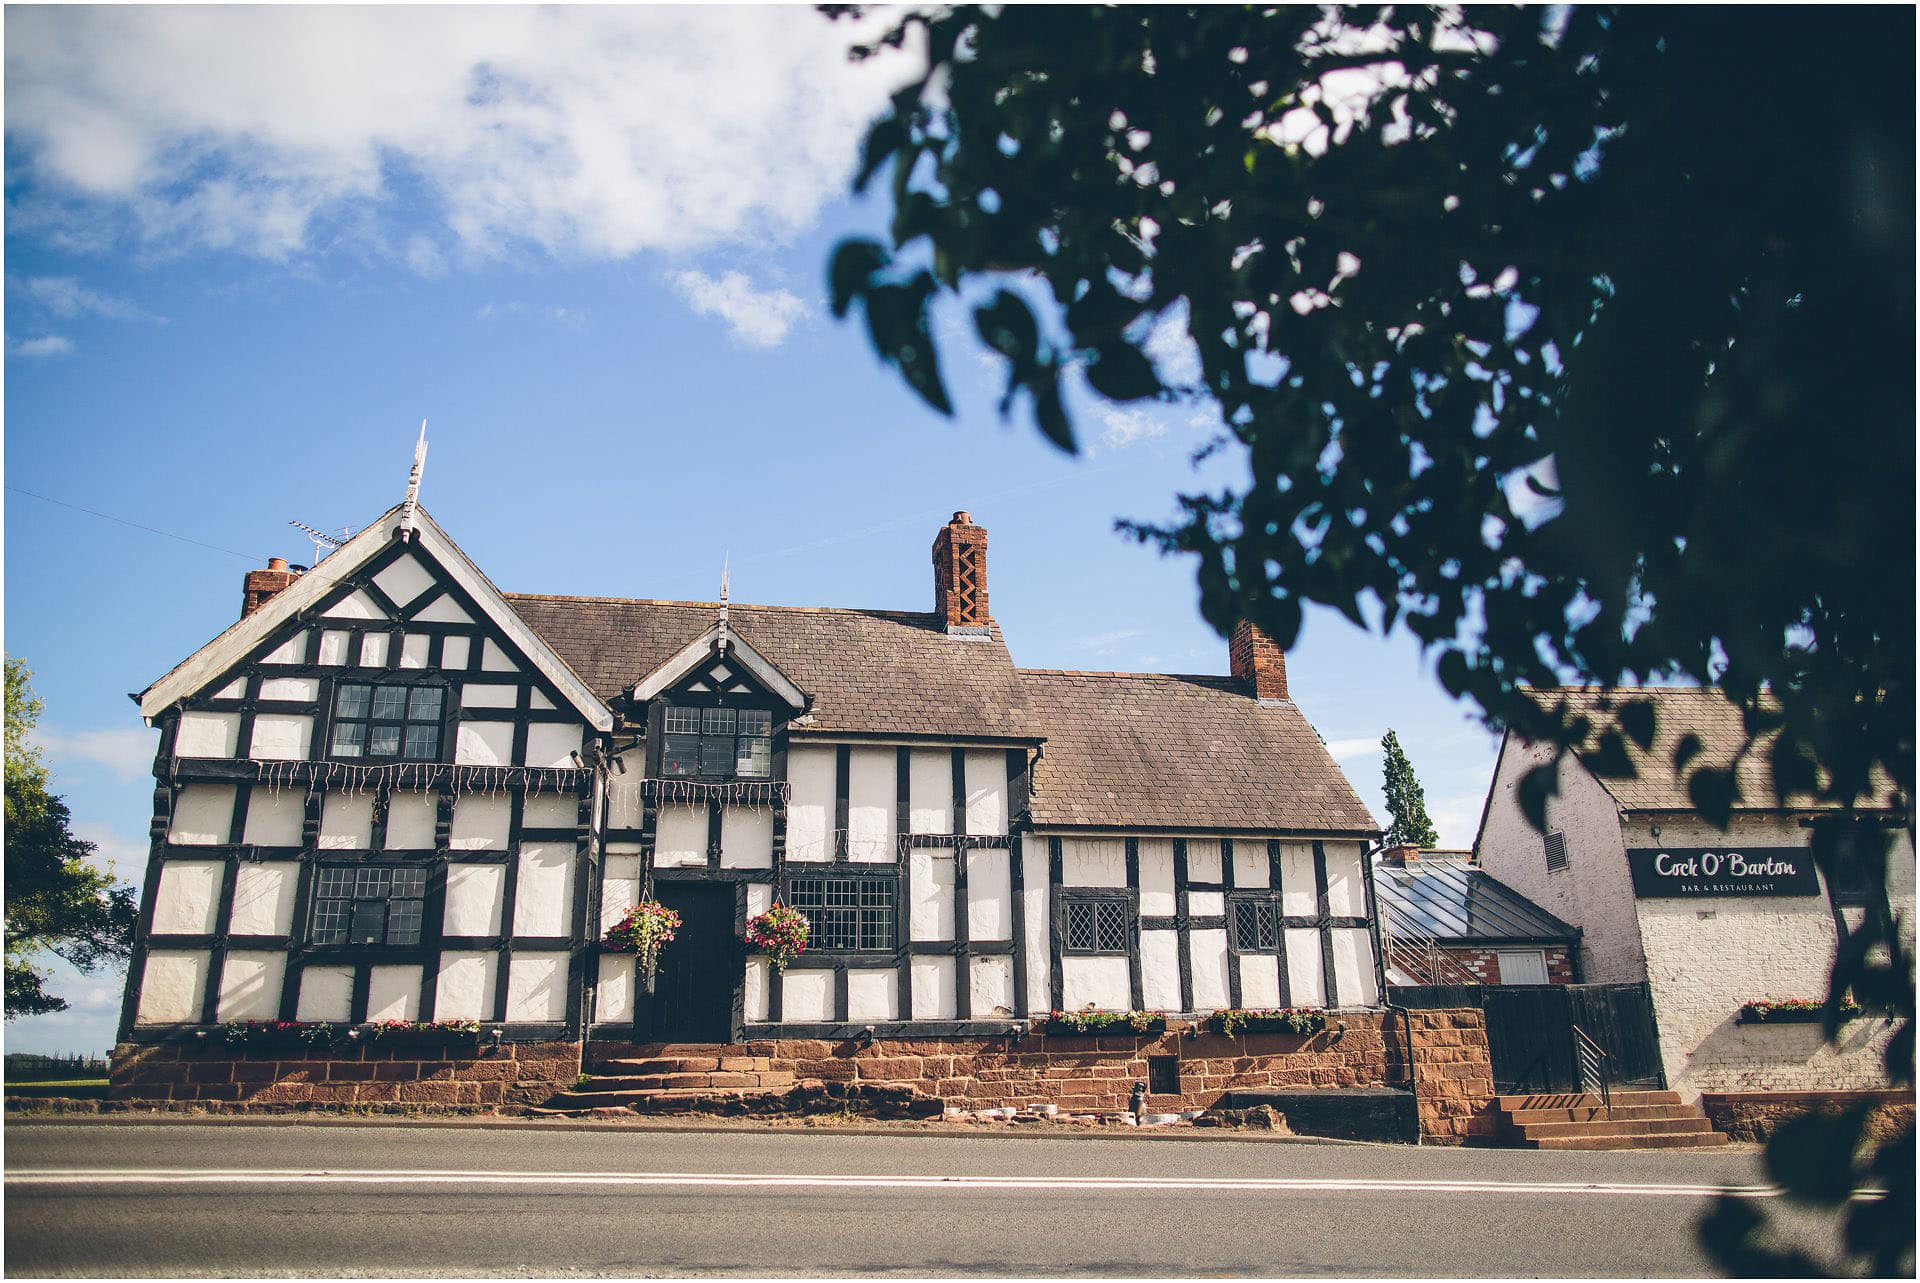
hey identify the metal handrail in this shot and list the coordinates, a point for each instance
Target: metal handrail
(1596, 1066)
(1423, 957)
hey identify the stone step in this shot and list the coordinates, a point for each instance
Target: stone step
(687, 1065)
(1617, 1127)
(1596, 1113)
(1585, 1099)
(1641, 1140)
(676, 1081)
(582, 1100)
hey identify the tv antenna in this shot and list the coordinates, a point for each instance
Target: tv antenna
(323, 543)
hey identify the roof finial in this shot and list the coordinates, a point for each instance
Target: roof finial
(413, 484)
(725, 564)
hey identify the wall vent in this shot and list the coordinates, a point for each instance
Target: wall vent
(1556, 846)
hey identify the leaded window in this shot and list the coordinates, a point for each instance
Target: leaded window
(1097, 926)
(387, 722)
(846, 913)
(368, 904)
(722, 743)
(1255, 926)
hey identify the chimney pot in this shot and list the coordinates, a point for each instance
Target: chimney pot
(1252, 656)
(960, 573)
(276, 563)
(261, 586)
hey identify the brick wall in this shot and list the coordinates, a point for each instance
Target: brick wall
(1752, 1116)
(514, 1074)
(1485, 964)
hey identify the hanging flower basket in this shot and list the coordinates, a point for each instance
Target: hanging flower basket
(645, 928)
(781, 933)
(424, 1033)
(1075, 1024)
(1792, 1011)
(271, 1035)
(1281, 1020)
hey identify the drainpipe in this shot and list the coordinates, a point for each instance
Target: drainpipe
(1413, 1077)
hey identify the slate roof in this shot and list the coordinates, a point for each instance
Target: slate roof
(1150, 750)
(1453, 901)
(1678, 711)
(873, 671)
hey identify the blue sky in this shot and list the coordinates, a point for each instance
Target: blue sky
(248, 251)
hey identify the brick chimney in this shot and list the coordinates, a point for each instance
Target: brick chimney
(260, 585)
(1401, 856)
(1253, 657)
(960, 573)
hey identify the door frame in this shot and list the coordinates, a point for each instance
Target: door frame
(646, 1008)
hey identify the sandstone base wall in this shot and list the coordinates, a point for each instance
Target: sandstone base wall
(1753, 1115)
(512, 1074)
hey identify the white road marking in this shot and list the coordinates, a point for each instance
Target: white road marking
(28, 1177)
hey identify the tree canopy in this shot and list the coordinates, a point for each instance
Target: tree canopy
(1576, 341)
(56, 899)
(1406, 800)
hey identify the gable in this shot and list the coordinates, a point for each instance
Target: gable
(707, 659)
(378, 601)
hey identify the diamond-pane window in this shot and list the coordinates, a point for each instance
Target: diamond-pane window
(1098, 926)
(1256, 926)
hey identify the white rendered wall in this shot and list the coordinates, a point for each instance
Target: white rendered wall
(475, 893)
(930, 791)
(543, 890)
(263, 897)
(1203, 860)
(346, 822)
(274, 818)
(810, 811)
(1093, 862)
(619, 889)
(1250, 869)
(989, 895)
(1160, 970)
(537, 987)
(871, 800)
(172, 985)
(466, 987)
(806, 996)
(481, 822)
(873, 993)
(1346, 882)
(1306, 978)
(1353, 976)
(932, 981)
(393, 993)
(326, 993)
(250, 985)
(1034, 887)
(1104, 983)
(986, 777)
(202, 815)
(281, 736)
(188, 900)
(411, 818)
(1299, 898)
(1259, 981)
(754, 994)
(613, 999)
(550, 811)
(991, 994)
(553, 743)
(746, 837)
(207, 735)
(1207, 952)
(680, 838)
(1156, 883)
(484, 744)
(930, 894)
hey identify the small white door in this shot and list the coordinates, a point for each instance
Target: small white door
(1523, 966)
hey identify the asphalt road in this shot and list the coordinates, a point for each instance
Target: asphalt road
(107, 1198)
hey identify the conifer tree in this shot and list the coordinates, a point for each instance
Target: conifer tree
(1406, 800)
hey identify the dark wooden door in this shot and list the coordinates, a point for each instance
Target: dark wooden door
(700, 971)
(1620, 1018)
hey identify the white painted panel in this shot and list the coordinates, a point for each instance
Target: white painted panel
(624, 800)
(232, 690)
(489, 695)
(1093, 862)
(494, 660)
(756, 989)
(1306, 983)
(404, 580)
(680, 838)
(275, 818)
(454, 650)
(1160, 970)
(810, 811)
(474, 895)
(411, 818)
(1259, 981)
(992, 992)
(930, 791)
(552, 743)
(989, 896)
(393, 993)
(614, 999)
(987, 793)
(759, 898)
(619, 889)
(333, 648)
(1034, 879)
(1209, 961)
(1250, 864)
(189, 897)
(1203, 860)
(250, 985)
(263, 898)
(415, 650)
(1206, 904)
(346, 821)
(933, 993)
(537, 699)
(537, 987)
(291, 651)
(172, 986)
(1522, 966)
(444, 610)
(543, 893)
(873, 993)
(1298, 896)
(1156, 878)
(1346, 891)
(355, 605)
(870, 804)
(1353, 966)
(930, 894)
(1104, 983)
(295, 690)
(202, 815)
(281, 737)
(207, 735)
(480, 822)
(466, 987)
(550, 811)
(746, 838)
(326, 993)
(484, 744)
(373, 650)
(806, 995)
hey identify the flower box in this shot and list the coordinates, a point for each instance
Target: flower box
(276, 1035)
(1792, 1011)
(1086, 1024)
(449, 1034)
(1281, 1020)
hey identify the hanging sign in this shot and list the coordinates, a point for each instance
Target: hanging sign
(1678, 872)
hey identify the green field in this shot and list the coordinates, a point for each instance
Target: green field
(78, 1088)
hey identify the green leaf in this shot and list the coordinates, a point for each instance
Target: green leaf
(1049, 413)
(1686, 750)
(1637, 720)
(1712, 791)
(851, 272)
(1121, 372)
(1812, 1156)
(1609, 760)
(1006, 325)
(886, 137)
(1533, 791)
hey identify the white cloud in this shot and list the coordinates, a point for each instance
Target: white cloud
(1344, 749)
(1104, 643)
(127, 753)
(50, 345)
(754, 316)
(588, 131)
(125, 857)
(66, 297)
(1123, 425)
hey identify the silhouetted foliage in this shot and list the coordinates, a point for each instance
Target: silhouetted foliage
(1582, 349)
(1406, 800)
